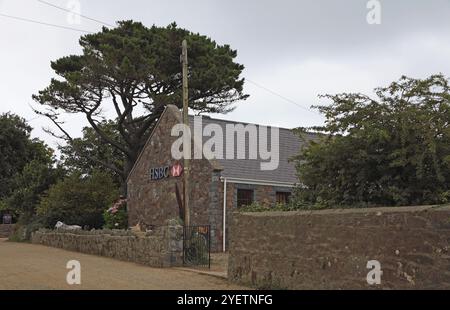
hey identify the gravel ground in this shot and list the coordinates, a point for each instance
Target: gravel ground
(29, 266)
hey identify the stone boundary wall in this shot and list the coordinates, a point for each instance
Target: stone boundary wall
(162, 247)
(330, 249)
(6, 230)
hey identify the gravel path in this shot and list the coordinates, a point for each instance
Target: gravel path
(29, 266)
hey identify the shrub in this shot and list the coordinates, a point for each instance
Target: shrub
(79, 200)
(389, 150)
(18, 234)
(22, 231)
(256, 207)
(116, 217)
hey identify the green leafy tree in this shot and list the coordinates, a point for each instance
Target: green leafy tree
(390, 150)
(79, 200)
(135, 72)
(88, 154)
(17, 148)
(30, 184)
(27, 168)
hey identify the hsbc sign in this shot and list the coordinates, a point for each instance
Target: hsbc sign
(166, 172)
(177, 170)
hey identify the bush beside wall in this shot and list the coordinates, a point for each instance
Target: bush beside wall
(329, 249)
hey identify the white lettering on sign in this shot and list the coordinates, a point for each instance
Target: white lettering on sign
(159, 173)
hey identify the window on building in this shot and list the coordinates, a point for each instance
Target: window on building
(283, 197)
(244, 197)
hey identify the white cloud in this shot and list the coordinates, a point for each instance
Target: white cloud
(298, 49)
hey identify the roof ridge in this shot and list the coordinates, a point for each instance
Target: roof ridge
(238, 122)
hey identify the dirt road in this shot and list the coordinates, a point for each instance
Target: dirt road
(28, 266)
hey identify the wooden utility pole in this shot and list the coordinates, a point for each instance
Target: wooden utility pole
(184, 61)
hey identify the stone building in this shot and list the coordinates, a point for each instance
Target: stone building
(155, 184)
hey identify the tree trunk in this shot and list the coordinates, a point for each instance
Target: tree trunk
(127, 167)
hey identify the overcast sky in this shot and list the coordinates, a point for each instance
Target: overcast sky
(294, 48)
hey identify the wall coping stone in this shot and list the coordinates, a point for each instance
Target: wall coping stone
(381, 210)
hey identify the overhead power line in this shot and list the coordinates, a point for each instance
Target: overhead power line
(254, 83)
(281, 96)
(110, 25)
(81, 15)
(43, 23)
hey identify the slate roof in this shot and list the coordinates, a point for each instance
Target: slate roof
(250, 169)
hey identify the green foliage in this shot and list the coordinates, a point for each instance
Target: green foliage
(135, 71)
(116, 217)
(257, 207)
(16, 150)
(29, 186)
(89, 153)
(78, 200)
(23, 231)
(18, 235)
(388, 151)
(26, 168)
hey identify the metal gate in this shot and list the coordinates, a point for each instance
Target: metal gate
(197, 246)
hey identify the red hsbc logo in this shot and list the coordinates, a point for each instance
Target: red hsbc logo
(176, 170)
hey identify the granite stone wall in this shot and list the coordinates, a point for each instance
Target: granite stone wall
(6, 230)
(330, 249)
(162, 247)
